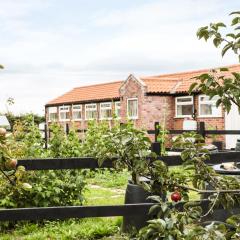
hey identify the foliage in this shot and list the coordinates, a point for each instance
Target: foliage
(57, 141)
(61, 145)
(13, 119)
(171, 223)
(13, 175)
(217, 82)
(26, 140)
(162, 138)
(128, 145)
(174, 224)
(49, 188)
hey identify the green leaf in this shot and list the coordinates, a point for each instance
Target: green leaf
(1, 66)
(224, 69)
(232, 13)
(232, 35)
(235, 21)
(192, 87)
(220, 24)
(226, 48)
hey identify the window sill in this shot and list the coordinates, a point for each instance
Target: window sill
(64, 120)
(209, 116)
(182, 117)
(133, 118)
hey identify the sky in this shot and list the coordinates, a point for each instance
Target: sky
(49, 47)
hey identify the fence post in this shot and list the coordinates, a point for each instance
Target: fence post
(202, 129)
(155, 147)
(46, 136)
(67, 128)
(156, 129)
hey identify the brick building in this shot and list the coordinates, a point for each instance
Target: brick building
(145, 100)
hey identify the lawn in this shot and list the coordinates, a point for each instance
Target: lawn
(104, 188)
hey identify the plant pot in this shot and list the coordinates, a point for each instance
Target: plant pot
(135, 194)
(218, 144)
(220, 214)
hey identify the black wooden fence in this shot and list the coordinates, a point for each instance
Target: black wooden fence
(156, 147)
(66, 212)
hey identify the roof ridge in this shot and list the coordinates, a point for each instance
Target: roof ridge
(189, 72)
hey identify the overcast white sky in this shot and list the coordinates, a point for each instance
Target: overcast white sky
(50, 46)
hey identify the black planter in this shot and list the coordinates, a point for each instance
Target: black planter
(220, 214)
(218, 144)
(135, 194)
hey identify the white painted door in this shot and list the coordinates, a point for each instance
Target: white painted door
(232, 122)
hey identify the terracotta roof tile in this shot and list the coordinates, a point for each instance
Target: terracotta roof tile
(89, 93)
(178, 82)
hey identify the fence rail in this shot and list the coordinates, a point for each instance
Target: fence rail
(65, 212)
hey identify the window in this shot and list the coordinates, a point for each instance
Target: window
(90, 111)
(207, 107)
(132, 108)
(52, 114)
(184, 106)
(106, 110)
(64, 113)
(77, 112)
(117, 109)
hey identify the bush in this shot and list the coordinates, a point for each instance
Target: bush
(49, 188)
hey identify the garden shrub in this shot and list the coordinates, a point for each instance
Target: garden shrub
(49, 188)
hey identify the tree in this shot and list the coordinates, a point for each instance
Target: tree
(219, 82)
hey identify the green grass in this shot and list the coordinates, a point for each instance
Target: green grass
(96, 228)
(104, 188)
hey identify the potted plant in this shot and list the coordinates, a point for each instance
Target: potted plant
(129, 147)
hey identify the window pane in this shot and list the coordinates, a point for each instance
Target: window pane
(106, 110)
(183, 100)
(52, 109)
(106, 113)
(77, 115)
(117, 109)
(52, 116)
(91, 111)
(64, 115)
(206, 109)
(132, 108)
(184, 110)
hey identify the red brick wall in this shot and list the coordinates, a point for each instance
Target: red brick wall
(132, 89)
(152, 109)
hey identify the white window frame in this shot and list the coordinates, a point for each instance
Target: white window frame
(116, 108)
(64, 111)
(105, 108)
(182, 104)
(50, 110)
(131, 99)
(219, 114)
(77, 110)
(90, 104)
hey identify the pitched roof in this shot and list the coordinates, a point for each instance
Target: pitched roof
(89, 93)
(178, 82)
(167, 83)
